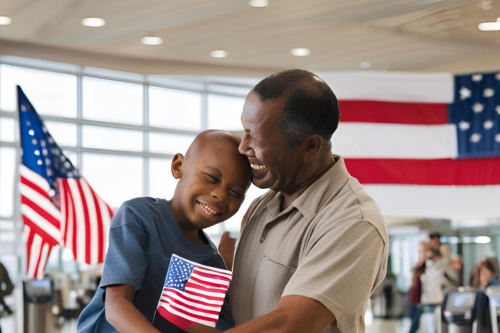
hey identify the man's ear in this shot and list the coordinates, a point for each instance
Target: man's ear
(176, 166)
(314, 144)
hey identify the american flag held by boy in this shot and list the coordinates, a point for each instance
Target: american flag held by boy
(193, 293)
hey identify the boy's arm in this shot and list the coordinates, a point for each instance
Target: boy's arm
(121, 312)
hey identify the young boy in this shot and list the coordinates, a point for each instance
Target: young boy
(145, 232)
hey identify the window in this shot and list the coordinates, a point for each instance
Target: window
(111, 138)
(174, 109)
(63, 133)
(161, 182)
(115, 178)
(7, 129)
(112, 101)
(169, 143)
(51, 93)
(224, 112)
(233, 225)
(7, 181)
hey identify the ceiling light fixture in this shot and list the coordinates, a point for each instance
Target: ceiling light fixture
(365, 65)
(93, 22)
(258, 3)
(151, 40)
(5, 20)
(300, 52)
(489, 26)
(218, 54)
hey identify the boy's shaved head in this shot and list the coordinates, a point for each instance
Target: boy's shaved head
(213, 179)
(212, 137)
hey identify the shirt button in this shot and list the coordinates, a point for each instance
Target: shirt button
(262, 239)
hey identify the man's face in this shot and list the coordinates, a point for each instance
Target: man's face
(274, 166)
(213, 184)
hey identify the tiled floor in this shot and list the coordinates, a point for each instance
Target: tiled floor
(377, 326)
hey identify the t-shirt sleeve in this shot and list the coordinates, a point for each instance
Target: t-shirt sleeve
(125, 261)
(340, 269)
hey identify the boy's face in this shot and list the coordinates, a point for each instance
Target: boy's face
(213, 179)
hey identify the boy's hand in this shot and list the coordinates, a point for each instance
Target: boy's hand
(226, 250)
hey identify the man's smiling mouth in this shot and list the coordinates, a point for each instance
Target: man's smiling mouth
(257, 167)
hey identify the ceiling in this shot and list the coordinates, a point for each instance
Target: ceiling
(402, 35)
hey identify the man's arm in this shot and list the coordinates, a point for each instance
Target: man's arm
(121, 312)
(297, 314)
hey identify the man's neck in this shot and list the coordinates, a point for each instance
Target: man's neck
(315, 172)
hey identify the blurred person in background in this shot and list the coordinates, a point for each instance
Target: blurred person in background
(413, 307)
(474, 278)
(6, 288)
(454, 272)
(433, 281)
(488, 274)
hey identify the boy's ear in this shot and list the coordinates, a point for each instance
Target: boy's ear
(176, 166)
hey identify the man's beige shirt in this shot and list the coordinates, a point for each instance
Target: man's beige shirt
(330, 244)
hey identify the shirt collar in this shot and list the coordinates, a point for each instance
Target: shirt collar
(316, 195)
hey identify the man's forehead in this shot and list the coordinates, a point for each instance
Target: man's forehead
(256, 110)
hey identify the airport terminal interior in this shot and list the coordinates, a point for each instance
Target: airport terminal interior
(124, 85)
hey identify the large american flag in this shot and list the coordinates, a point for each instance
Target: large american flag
(193, 293)
(58, 206)
(422, 144)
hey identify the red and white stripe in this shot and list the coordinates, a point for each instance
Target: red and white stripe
(202, 299)
(81, 225)
(395, 138)
(85, 221)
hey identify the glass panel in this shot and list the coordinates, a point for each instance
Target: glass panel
(161, 182)
(169, 143)
(112, 101)
(63, 133)
(174, 109)
(115, 178)
(233, 225)
(50, 93)
(224, 112)
(7, 175)
(7, 129)
(111, 138)
(7, 233)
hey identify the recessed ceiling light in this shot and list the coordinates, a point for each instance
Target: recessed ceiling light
(5, 20)
(151, 40)
(258, 3)
(301, 52)
(365, 65)
(219, 54)
(94, 22)
(489, 26)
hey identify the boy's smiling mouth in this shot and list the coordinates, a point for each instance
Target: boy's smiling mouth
(207, 209)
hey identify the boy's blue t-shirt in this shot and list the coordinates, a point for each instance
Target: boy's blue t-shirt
(142, 238)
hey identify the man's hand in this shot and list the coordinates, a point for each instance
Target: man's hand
(297, 314)
(226, 250)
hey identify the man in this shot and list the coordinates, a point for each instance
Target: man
(315, 246)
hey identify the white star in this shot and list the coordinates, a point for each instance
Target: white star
(51, 192)
(39, 162)
(42, 142)
(463, 125)
(478, 107)
(477, 77)
(497, 76)
(44, 151)
(50, 140)
(488, 92)
(37, 152)
(69, 174)
(68, 165)
(63, 158)
(475, 138)
(497, 138)
(28, 123)
(44, 129)
(47, 161)
(23, 108)
(497, 109)
(488, 124)
(464, 93)
(31, 132)
(49, 172)
(34, 141)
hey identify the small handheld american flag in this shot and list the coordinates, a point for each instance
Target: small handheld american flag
(58, 205)
(193, 293)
